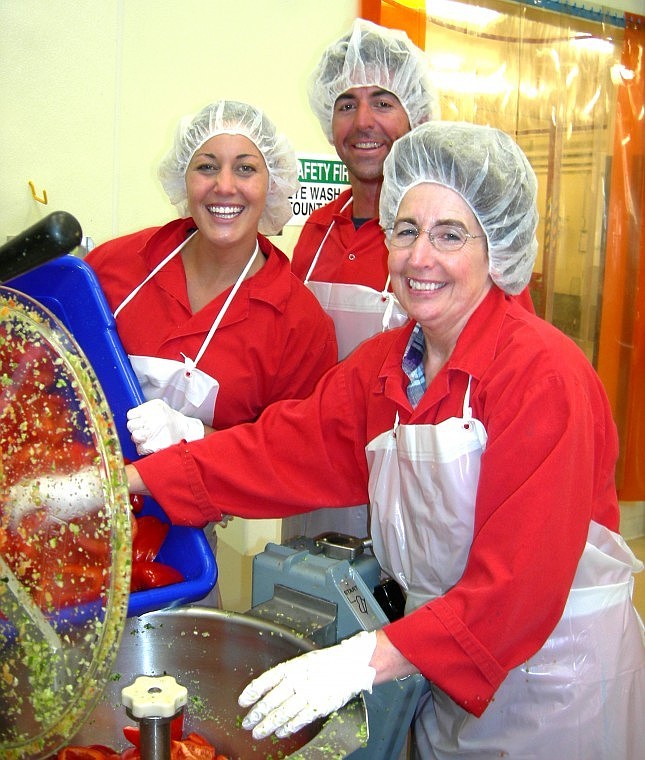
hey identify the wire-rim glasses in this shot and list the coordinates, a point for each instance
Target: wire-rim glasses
(446, 238)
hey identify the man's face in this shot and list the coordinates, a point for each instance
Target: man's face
(365, 123)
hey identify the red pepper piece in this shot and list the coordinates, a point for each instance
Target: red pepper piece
(193, 747)
(133, 733)
(147, 575)
(151, 533)
(136, 502)
(70, 585)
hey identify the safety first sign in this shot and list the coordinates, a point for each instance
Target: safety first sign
(322, 178)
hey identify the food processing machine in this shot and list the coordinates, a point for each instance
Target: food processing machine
(327, 589)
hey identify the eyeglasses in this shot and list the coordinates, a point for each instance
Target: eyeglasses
(446, 238)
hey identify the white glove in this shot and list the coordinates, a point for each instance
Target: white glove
(65, 497)
(154, 425)
(310, 686)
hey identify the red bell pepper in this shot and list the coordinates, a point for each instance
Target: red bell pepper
(147, 575)
(136, 502)
(151, 533)
(192, 747)
(69, 585)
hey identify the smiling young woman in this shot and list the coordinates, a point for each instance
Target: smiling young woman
(215, 324)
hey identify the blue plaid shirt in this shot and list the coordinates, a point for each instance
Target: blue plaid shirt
(412, 365)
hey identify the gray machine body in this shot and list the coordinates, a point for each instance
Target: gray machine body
(323, 589)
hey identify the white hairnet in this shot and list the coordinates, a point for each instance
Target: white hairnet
(373, 56)
(489, 171)
(233, 117)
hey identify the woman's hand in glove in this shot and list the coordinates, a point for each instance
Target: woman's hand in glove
(65, 497)
(295, 693)
(154, 425)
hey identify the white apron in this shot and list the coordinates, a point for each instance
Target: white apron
(422, 485)
(358, 313)
(182, 385)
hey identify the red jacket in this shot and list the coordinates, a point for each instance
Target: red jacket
(349, 255)
(274, 342)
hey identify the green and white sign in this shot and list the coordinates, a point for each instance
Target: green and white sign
(322, 178)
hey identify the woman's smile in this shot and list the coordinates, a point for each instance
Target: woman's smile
(225, 212)
(425, 285)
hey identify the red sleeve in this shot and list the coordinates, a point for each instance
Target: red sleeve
(279, 466)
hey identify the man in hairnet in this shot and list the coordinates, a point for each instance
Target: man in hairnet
(484, 442)
(369, 88)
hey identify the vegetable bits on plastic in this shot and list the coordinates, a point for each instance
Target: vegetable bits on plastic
(44, 431)
(66, 570)
(63, 562)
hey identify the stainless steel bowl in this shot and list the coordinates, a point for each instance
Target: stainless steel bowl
(214, 654)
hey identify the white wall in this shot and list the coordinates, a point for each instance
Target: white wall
(92, 91)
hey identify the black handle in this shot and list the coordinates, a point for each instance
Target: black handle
(56, 234)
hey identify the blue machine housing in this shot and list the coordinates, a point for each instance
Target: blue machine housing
(68, 287)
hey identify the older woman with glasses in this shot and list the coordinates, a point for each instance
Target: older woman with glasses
(483, 440)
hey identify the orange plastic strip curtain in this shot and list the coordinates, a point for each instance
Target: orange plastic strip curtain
(621, 356)
(409, 15)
